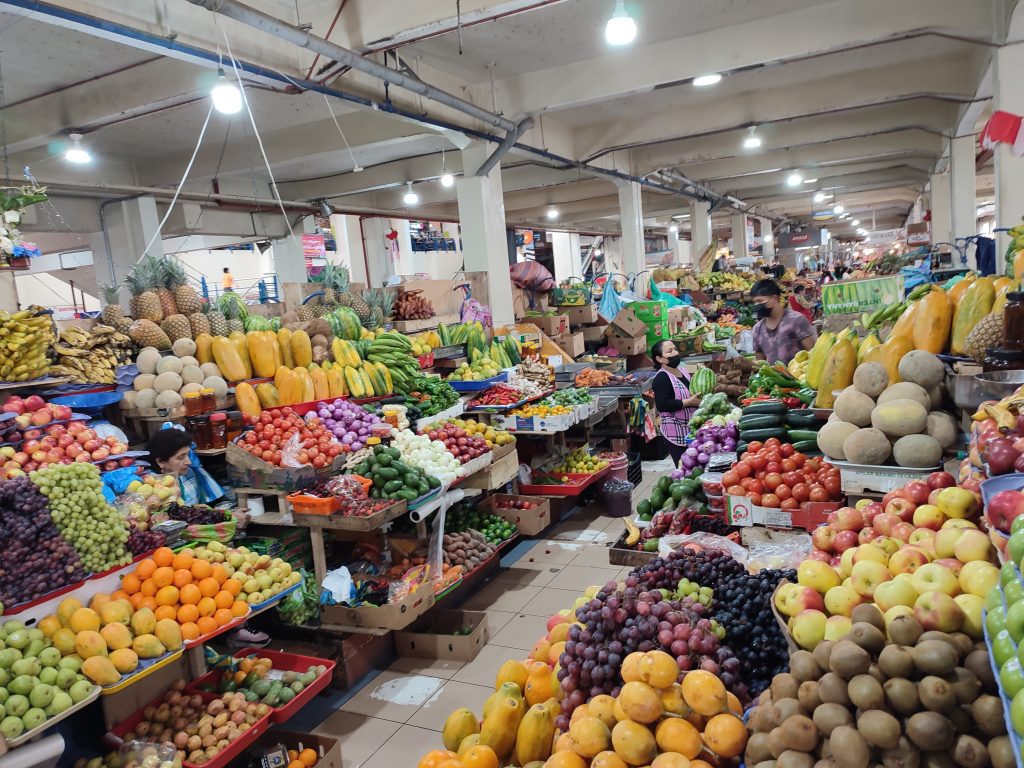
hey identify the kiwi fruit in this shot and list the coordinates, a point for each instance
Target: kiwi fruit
(832, 689)
(879, 729)
(903, 755)
(1001, 753)
(830, 716)
(978, 663)
(935, 634)
(867, 636)
(962, 643)
(822, 652)
(799, 733)
(930, 730)
(901, 696)
(961, 720)
(965, 684)
(865, 692)
(987, 712)
(904, 630)
(825, 749)
(793, 759)
(937, 760)
(803, 666)
(808, 696)
(876, 672)
(767, 764)
(785, 709)
(969, 752)
(868, 614)
(849, 659)
(849, 748)
(776, 746)
(762, 718)
(826, 762)
(757, 749)
(936, 694)
(784, 686)
(896, 661)
(934, 657)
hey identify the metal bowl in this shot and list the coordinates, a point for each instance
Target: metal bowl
(965, 390)
(998, 384)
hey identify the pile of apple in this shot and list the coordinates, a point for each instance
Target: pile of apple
(62, 444)
(460, 444)
(917, 552)
(154, 491)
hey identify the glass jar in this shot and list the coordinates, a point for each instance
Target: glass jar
(218, 430)
(394, 415)
(1003, 360)
(193, 404)
(1013, 321)
(236, 423)
(199, 427)
(209, 400)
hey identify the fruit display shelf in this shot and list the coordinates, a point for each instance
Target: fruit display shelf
(476, 386)
(146, 667)
(470, 408)
(576, 485)
(1015, 738)
(51, 721)
(340, 522)
(621, 554)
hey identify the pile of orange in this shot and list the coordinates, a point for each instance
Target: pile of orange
(307, 758)
(478, 756)
(199, 595)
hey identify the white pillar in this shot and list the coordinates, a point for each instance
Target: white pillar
(1009, 97)
(700, 227)
(381, 252)
(963, 189)
(349, 244)
(130, 225)
(404, 266)
(768, 249)
(565, 247)
(740, 246)
(289, 261)
(942, 218)
(673, 245)
(482, 218)
(631, 215)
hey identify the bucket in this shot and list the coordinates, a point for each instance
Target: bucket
(617, 497)
(618, 464)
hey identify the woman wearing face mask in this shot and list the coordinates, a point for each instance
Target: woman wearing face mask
(672, 398)
(780, 332)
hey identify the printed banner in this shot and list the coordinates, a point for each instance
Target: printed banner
(866, 295)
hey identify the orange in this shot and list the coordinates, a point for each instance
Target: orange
(206, 625)
(166, 612)
(119, 594)
(451, 762)
(163, 556)
(163, 576)
(220, 573)
(222, 616)
(149, 601)
(148, 587)
(293, 754)
(187, 614)
(201, 569)
(182, 561)
(189, 594)
(565, 759)
(296, 764)
(239, 608)
(131, 584)
(308, 757)
(209, 586)
(223, 599)
(136, 600)
(167, 595)
(480, 756)
(734, 704)
(234, 586)
(181, 578)
(145, 568)
(189, 631)
(434, 758)
(207, 606)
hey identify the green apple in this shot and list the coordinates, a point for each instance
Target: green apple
(1015, 621)
(972, 606)
(1017, 713)
(1008, 572)
(994, 600)
(1011, 677)
(1013, 592)
(1015, 548)
(1015, 526)
(995, 621)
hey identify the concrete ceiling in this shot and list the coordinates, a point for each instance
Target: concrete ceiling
(861, 94)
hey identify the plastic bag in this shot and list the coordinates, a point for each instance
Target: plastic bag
(668, 298)
(290, 452)
(669, 544)
(784, 553)
(611, 304)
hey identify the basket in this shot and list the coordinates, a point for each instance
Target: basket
(313, 505)
(365, 482)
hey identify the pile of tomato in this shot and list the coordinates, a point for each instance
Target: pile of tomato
(773, 474)
(272, 434)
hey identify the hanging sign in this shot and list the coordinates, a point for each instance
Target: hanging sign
(314, 247)
(881, 236)
(845, 296)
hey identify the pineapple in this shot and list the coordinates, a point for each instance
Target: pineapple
(199, 322)
(146, 333)
(113, 312)
(161, 283)
(342, 281)
(185, 297)
(387, 304)
(360, 307)
(307, 312)
(218, 323)
(177, 327)
(145, 304)
(374, 297)
(988, 333)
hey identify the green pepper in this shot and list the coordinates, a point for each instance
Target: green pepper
(806, 395)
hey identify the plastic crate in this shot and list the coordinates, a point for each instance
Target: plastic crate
(313, 505)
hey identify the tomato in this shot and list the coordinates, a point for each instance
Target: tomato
(758, 462)
(277, 457)
(772, 442)
(770, 500)
(747, 482)
(814, 464)
(277, 422)
(268, 455)
(319, 461)
(736, 490)
(266, 418)
(743, 469)
(817, 494)
(756, 486)
(799, 459)
(772, 456)
(732, 477)
(772, 480)
(832, 487)
(792, 478)
(788, 465)
(755, 446)
(755, 498)
(790, 503)
(782, 491)
(801, 491)
(787, 450)
(332, 450)
(773, 467)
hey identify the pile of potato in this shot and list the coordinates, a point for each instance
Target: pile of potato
(467, 548)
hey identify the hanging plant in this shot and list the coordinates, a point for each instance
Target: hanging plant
(13, 202)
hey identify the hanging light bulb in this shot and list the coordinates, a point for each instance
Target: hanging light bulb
(768, 237)
(410, 197)
(839, 208)
(621, 28)
(227, 99)
(819, 197)
(855, 222)
(794, 179)
(752, 141)
(552, 213)
(447, 180)
(76, 153)
(673, 228)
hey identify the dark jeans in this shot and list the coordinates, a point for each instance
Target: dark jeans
(675, 451)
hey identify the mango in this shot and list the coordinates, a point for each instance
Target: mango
(100, 670)
(49, 625)
(84, 619)
(148, 646)
(501, 726)
(116, 636)
(125, 660)
(89, 644)
(143, 622)
(168, 632)
(460, 724)
(67, 607)
(64, 641)
(116, 611)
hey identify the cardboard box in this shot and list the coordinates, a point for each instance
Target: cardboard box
(434, 637)
(572, 343)
(360, 655)
(857, 478)
(585, 315)
(739, 511)
(496, 475)
(593, 332)
(627, 345)
(554, 325)
(529, 522)
(570, 295)
(627, 324)
(327, 747)
(397, 615)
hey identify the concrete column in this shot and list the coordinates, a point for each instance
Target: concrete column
(381, 253)
(9, 300)
(565, 247)
(349, 243)
(631, 214)
(942, 218)
(129, 227)
(740, 246)
(684, 249)
(700, 227)
(404, 265)
(1009, 97)
(963, 189)
(482, 217)
(768, 249)
(289, 262)
(673, 244)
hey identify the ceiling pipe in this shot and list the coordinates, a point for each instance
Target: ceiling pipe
(305, 39)
(507, 143)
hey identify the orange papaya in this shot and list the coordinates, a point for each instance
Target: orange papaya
(321, 389)
(308, 394)
(933, 321)
(247, 400)
(260, 347)
(302, 349)
(228, 358)
(838, 372)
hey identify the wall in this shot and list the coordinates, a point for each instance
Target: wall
(48, 291)
(247, 267)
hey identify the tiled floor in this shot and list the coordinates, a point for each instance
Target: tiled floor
(397, 716)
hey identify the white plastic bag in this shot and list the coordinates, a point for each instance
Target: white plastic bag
(671, 543)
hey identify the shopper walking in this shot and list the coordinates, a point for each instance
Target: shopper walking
(228, 281)
(672, 399)
(781, 332)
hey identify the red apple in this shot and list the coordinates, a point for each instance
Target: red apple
(867, 534)
(41, 418)
(46, 442)
(101, 453)
(14, 404)
(849, 519)
(1003, 508)
(118, 448)
(54, 457)
(34, 403)
(56, 430)
(83, 457)
(65, 440)
(23, 420)
(870, 511)
(91, 445)
(903, 508)
(74, 450)
(917, 492)
(820, 554)
(951, 563)
(902, 531)
(21, 457)
(60, 412)
(76, 427)
(31, 466)
(823, 537)
(884, 522)
(844, 540)
(896, 494)
(940, 480)
(934, 495)
(110, 440)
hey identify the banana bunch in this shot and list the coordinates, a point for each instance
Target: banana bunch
(798, 365)
(91, 357)
(25, 338)
(892, 312)
(395, 351)
(728, 281)
(633, 532)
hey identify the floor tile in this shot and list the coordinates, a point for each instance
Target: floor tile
(580, 532)
(497, 619)
(405, 748)
(552, 552)
(393, 696)
(531, 574)
(522, 632)
(579, 577)
(361, 736)
(446, 699)
(441, 668)
(549, 602)
(484, 668)
(595, 556)
(502, 595)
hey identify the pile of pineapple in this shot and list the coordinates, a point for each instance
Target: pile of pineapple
(374, 307)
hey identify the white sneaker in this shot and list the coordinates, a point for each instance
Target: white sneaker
(246, 637)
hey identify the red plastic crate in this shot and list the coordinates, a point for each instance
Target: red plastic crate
(282, 662)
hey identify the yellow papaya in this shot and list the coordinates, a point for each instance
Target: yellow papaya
(228, 358)
(1000, 302)
(275, 347)
(1018, 265)
(501, 726)
(889, 355)
(816, 361)
(460, 724)
(204, 348)
(975, 303)
(290, 388)
(354, 382)
(336, 382)
(837, 374)
(385, 374)
(243, 353)
(535, 735)
(307, 384)
(904, 325)
(507, 690)
(279, 376)
(247, 400)
(512, 671)
(868, 343)
(302, 349)
(260, 346)
(284, 341)
(321, 390)
(960, 288)
(236, 336)
(268, 395)
(933, 320)
(1000, 283)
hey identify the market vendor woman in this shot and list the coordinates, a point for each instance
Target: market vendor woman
(672, 398)
(780, 332)
(170, 451)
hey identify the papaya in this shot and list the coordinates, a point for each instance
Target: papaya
(289, 389)
(275, 347)
(229, 359)
(354, 382)
(507, 690)
(1018, 263)
(837, 374)
(1000, 301)
(116, 636)
(367, 382)
(535, 735)
(460, 724)
(260, 346)
(284, 341)
(904, 325)
(279, 376)
(1001, 283)
(512, 671)
(204, 348)
(975, 303)
(960, 288)
(869, 342)
(321, 389)
(501, 726)
(247, 400)
(268, 395)
(818, 357)
(302, 349)
(889, 355)
(932, 323)
(306, 381)
(336, 382)
(148, 646)
(539, 684)
(243, 353)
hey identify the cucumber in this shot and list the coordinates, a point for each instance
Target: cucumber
(806, 446)
(766, 406)
(803, 436)
(741, 448)
(750, 435)
(760, 421)
(406, 494)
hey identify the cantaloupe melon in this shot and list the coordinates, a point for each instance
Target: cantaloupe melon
(918, 451)
(832, 436)
(168, 381)
(906, 390)
(871, 379)
(143, 381)
(147, 359)
(867, 446)
(922, 368)
(897, 418)
(854, 407)
(183, 347)
(169, 364)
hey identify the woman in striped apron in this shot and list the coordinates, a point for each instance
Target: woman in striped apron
(672, 398)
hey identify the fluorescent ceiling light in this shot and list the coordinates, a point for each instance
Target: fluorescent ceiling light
(447, 180)
(768, 238)
(674, 228)
(809, 181)
(794, 179)
(410, 197)
(855, 222)
(819, 197)
(839, 208)
(227, 99)
(552, 213)
(621, 28)
(705, 80)
(752, 141)
(76, 153)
